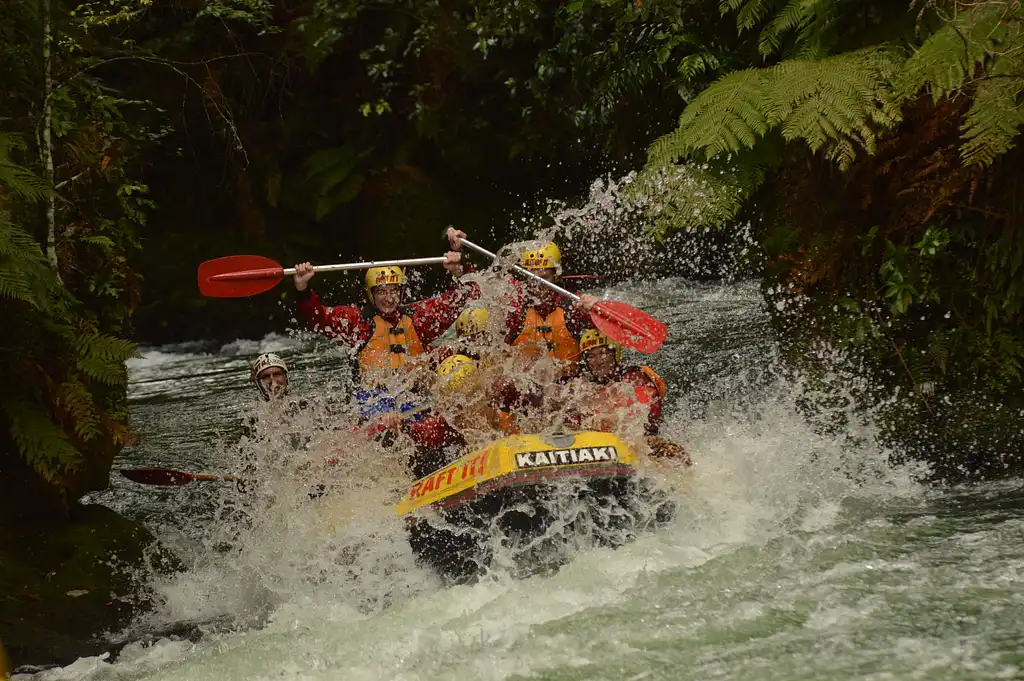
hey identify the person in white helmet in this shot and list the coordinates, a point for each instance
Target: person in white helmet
(269, 374)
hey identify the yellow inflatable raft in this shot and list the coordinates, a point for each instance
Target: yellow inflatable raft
(535, 491)
(521, 460)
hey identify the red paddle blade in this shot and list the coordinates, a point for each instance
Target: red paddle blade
(629, 326)
(157, 476)
(238, 276)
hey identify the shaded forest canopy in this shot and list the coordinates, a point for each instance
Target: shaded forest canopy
(871, 147)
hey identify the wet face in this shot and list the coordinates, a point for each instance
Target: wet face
(601, 362)
(386, 297)
(274, 380)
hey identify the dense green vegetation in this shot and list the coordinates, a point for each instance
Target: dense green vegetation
(877, 156)
(871, 145)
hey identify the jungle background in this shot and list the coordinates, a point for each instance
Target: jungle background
(869, 148)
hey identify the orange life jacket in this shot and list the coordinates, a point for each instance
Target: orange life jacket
(507, 422)
(389, 345)
(550, 331)
(656, 379)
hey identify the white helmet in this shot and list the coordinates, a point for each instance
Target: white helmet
(261, 363)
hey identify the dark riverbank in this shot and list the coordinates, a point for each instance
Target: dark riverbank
(67, 584)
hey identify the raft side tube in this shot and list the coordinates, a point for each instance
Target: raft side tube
(521, 460)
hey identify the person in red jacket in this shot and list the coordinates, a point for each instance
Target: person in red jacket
(541, 321)
(624, 393)
(387, 335)
(470, 418)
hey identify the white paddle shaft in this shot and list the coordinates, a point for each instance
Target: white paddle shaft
(367, 265)
(528, 273)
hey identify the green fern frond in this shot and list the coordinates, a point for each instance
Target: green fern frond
(837, 102)
(819, 34)
(24, 273)
(78, 402)
(103, 242)
(44, 445)
(794, 15)
(993, 121)
(938, 350)
(949, 57)
(14, 286)
(730, 115)
(103, 371)
(16, 242)
(102, 358)
(15, 178)
(690, 195)
(108, 348)
(694, 65)
(834, 103)
(750, 12)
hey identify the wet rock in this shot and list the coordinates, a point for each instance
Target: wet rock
(62, 585)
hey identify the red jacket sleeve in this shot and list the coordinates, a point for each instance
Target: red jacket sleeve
(647, 393)
(433, 316)
(341, 322)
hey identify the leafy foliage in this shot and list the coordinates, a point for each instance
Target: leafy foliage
(979, 51)
(63, 352)
(835, 104)
(55, 410)
(879, 166)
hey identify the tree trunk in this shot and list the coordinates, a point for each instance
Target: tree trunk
(47, 150)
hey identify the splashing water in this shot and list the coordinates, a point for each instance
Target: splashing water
(797, 550)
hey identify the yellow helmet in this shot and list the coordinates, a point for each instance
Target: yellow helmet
(375, 276)
(455, 372)
(592, 338)
(472, 320)
(544, 257)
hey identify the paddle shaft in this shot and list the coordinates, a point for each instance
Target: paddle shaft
(367, 265)
(554, 287)
(274, 272)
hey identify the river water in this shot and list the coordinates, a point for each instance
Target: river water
(796, 554)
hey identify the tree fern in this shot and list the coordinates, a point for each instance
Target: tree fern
(78, 403)
(982, 46)
(950, 56)
(15, 178)
(103, 371)
(45, 447)
(24, 273)
(835, 104)
(694, 65)
(993, 121)
(728, 116)
(750, 13)
(107, 348)
(691, 195)
(793, 15)
(17, 249)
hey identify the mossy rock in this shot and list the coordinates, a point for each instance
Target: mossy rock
(65, 586)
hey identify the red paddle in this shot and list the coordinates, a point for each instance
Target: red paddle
(238, 276)
(629, 326)
(622, 323)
